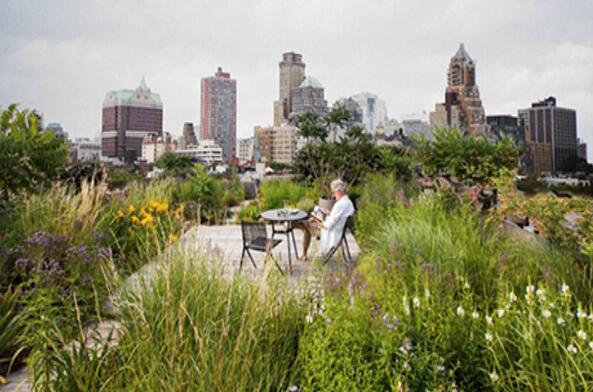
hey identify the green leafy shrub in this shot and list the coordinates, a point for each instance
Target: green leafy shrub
(29, 157)
(119, 178)
(469, 158)
(249, 213)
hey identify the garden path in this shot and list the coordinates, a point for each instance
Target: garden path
(224, 243)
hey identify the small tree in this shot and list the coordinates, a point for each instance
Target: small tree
(29, 157)
(468, 158)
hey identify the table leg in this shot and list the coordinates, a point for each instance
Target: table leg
(289, 259)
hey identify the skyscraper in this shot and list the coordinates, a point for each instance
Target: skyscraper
(129, 116)
(219, 112)
(551, 135)
(462, 108)
(374, 110)
(308, 97)
(292, 74)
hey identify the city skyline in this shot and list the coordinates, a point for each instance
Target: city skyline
(61, 58)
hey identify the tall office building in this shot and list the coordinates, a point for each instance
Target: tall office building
(219, 112)
(189, 135)
(308, 97)
(462, 108)
(551, 135)
(128, 117)
(374, 110)
(292, 74)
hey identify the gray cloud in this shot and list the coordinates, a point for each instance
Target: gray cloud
(61, 57)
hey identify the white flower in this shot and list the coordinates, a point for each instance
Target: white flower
(489, 320)
(546, 313)
(406, 365)
(582, 334)
(571, 349)
(560, 321)
(460, 311)
(309, 318)
(552, 305)
(416, 302)
(564, 289)
(440, 368)
(541, 294)
(475, 315)
(488, 336)
(427, 293)
(581, 315)
(530, 289)
(500, 312)
(590, 317)
(591, 345)
(494, 376)
(512, 297)
(466, 285)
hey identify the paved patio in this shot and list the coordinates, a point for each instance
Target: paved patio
(227, 242)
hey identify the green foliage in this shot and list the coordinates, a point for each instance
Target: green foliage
(206, 197)
(276, 193)
(469, 158)
(10, 326)
(29, 158)
(249, 213)
(396, 161)
(190, 329)
(176, 165)
(118, 178)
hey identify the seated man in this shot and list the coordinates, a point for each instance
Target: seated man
(332, 226)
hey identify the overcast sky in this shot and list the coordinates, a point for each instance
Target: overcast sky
(61, 57)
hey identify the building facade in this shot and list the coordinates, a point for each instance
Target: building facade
(154, 147)
(189, 134)
(85, 149)
(462, 108)
(309, 96)
(292, 74)
(374, 110)
(582, 151)
(277, 144)
(551, 136)
(128, 117)
(245, 150)
(56, 128)
(219, 112)
(205, 151)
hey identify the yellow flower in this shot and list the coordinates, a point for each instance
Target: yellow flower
(144, 221)
(173, 237)
(162, 207)
(119, 214)
(135, 219)
(131, 208)
(143, 211)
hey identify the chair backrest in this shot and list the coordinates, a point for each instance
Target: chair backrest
(251, 231)
(347, 225)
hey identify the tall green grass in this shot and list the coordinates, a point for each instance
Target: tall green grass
(190, 329)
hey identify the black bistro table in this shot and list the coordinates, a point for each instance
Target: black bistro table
(287, 216)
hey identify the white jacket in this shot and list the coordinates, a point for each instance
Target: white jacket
(333, 225)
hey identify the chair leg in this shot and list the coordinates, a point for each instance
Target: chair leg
(329, 255)
(347, 249)
(251, 257)
(242, 257)
(296, 252)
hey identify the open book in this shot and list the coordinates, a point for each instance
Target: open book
(318, 214)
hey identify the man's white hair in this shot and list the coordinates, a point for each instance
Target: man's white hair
(338, 186)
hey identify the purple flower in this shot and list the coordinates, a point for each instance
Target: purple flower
(39, 239)
(23, 263)
(78, 253)
(105, 253)
(99, 237)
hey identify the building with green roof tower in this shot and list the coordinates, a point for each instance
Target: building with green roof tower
(128, 117)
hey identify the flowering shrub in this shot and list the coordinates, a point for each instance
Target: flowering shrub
(144, 230)
(537, 340)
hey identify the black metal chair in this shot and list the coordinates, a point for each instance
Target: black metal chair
(255, 238)
(342, 244)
